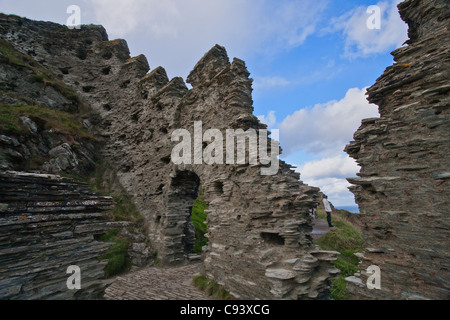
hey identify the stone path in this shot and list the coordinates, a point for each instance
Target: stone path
(320, 228)
(157, 283)
(170, 283)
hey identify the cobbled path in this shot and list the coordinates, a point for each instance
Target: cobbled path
(170, 283)
(156, 283)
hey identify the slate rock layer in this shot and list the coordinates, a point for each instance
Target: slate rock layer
(403, 187)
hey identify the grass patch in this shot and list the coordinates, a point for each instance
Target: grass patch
(198, 218)
(346, 239)
(13, 57)
(117, 253)
(60, 121)
(125, 210)
(42, 75)
(211, 288)
(9, 123)
(19, 97)
(105, 183)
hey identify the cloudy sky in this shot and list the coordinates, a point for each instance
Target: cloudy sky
(311, 61)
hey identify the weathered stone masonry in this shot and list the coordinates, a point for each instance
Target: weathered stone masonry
(48, 223)
(259, 228)
(403, 187)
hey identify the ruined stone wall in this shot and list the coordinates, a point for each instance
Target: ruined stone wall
(258, 226)
(403, 186)
(48, 223)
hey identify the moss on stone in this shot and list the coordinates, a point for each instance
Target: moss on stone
(211, 288)
(41, 74)
(117, 254)
(59, 121)
(198, 219)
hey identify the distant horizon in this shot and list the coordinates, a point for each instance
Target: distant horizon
(352, 209)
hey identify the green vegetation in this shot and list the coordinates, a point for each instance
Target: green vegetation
(35, 162)
(117, 253)
(125, 210)
(41, 74)
(9, 122)
(17, 96)
(211, 288)
(346, 239)
(198, 219)
(60, 121)
(103, 180)
(16, 58)
(105, 183)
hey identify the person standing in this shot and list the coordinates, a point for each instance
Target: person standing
(328, 210)
(314, 210)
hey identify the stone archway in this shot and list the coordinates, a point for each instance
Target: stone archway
(178, 229)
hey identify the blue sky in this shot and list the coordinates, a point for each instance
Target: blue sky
(311, 61)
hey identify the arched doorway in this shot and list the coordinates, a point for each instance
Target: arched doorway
(184, 190)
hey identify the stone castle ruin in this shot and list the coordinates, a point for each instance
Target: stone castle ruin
(259, 228)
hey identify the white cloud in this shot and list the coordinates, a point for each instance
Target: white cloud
(123, 17)
(336, 190)
(270, 119)
(329, 174)
(326, 128)
(360, 41)
(182, 31)
(287, 22)
(339, 166)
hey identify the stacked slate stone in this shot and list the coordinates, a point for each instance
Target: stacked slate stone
(403, 187)
(48, 223)
(259, 227)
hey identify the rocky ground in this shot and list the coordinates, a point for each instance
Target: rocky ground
(320, 228)
(157, 283)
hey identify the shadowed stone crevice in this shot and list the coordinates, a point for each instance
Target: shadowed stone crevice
(180, 199)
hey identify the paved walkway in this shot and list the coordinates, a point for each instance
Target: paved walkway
(170, 283)
(320, 228)
(157, 283)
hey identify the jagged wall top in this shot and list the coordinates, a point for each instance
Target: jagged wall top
(209, 66)
(424, 17)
